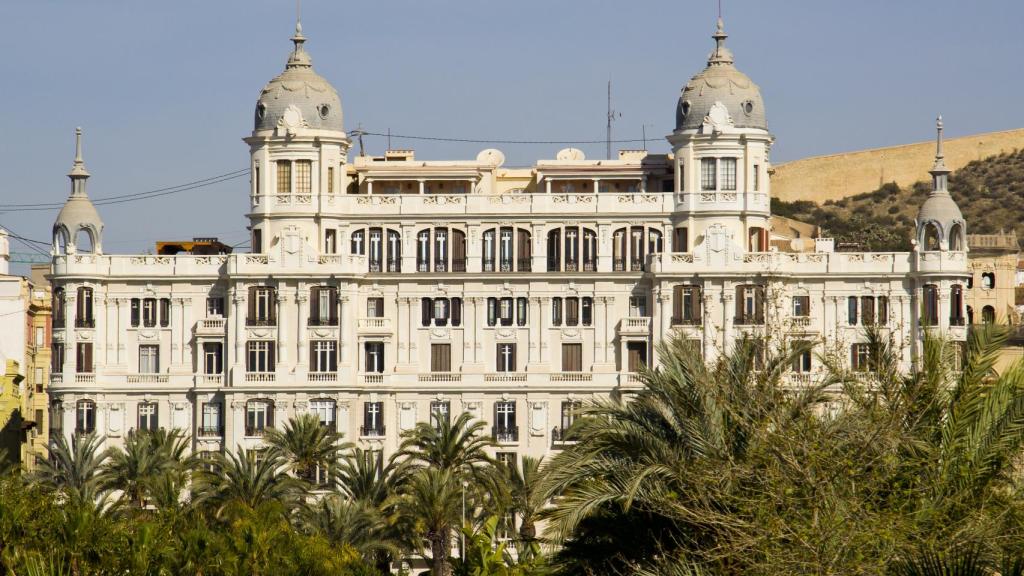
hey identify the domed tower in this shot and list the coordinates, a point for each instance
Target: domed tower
(940, 225)
(299, 150)
(721, 144)
(78, 228)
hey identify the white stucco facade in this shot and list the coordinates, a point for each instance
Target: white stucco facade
(381, 289)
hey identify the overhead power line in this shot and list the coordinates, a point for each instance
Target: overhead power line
(499, 141)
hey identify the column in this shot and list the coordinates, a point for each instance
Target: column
(176, 328)
(369, 186)
(238, 335)
(547, 184)
(609, 331)
(538, 260)
(282, 324)
(186, 322)
(422, 186)
(469, 331)
(599, 329)
(111, 331)
(234, 422)
(346, 330)
(597, 185)
(70, 333)
(123, 322)
(664, 312)
(477, 324)
(301, 335)
(727, 317)
(411, 321)
(533, 357)
(542, 341)
(402, 320)
(708, 329)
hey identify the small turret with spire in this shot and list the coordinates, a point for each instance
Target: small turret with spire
(721, 55)
(940, 174)
(78, 227)
(78, 174)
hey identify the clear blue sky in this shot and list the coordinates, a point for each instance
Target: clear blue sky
(166, 90)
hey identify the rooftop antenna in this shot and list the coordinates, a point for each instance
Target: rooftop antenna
(612, 116)
(389, 138)
(358, 133)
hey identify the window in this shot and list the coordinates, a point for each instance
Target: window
(374, 357)
(638, 306)
(988, 315)
(83, 358)
(522, 311)
(506, 360)
(212, 424)
(213, 358)
(572, 357)
(374, 307)
(802, 361)
(59, 313)
(680, 239)
(556, 311)
(323, 310)
(358, 243)
(988, 280)
(259, 415)
(165, 312)
(492, 311)
(261, 306)
(686, 305)
(439, 311)
(883, 310)
(867, 310)
(330, 241)
(323, 356)
(801, 306)
(257, 241)
(749, 305)
(930, 305)
(569, 411)
(587, 310)
(215, 306)
(757, 178)
(84, 314)
(440, 357)
(260, 356)
(707, 174)
(440, 412)
(505, 311)
(148, 416)
(330, 179)
(572, 311)
(284, 177)
(505, 458)
(149, 359)
(505, 429)
(325, 411)
(489, 246)
(136, 312)
(57, 358)
(149, 312)
(40, 336)
(85, 417)
(423, 251)
(373, 419)
(728, 167)
(860, 357)
(554, 250)
(851, 310)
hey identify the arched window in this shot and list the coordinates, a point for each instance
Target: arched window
(931, 237)
(85, 417)
(956, 305)
(506, 249)
(988, 280)
(930, 305)
(382, 246)
(60, 240)
(988, 315)
(757, 239)
(630, 247)
(572, 249)
(956, 238)
(84, 241)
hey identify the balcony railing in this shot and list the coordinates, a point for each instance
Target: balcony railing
(212, 324)
(636, 265)
(801, 321)
(619, 265)
(524, 264)
(323, 322)
(147, 379)
(323, 376)
(212, 431)
(589, 266)
(505, 377)
(394, 265)
(688, 321)
(572, 377)
(373, 378)
(423, 267)
(572, 266)
(256, 431)
(961, 321)
(213, 379)
(441, 377)
(488, 265)
(261, 322)
(505, 433)
(749, 320)
(56, 378)
(459, 265)
(266, 377)
(372, 431)
(85, 378)
(85, 322)
(554, 265)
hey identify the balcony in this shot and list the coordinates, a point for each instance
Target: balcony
(372, 378)
(443, 377)
(619, 265)
(212, 431)
(524, 265)
(375, 325)
(488, 265)
(323, 376)
(260, 377)
(800, 321)
(56, 378)
(373, 431)
(749, 320)
(85, 378)
(85, 322)
(505, 434)
(506, 377)
(260, 322)
(211, 379)
(318, 322)
(147, 379)
(459, 265)
(572, 377)
(211, 326)
(255, 431)
(635, 325)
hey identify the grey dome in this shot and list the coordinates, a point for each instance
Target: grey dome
(940, 208)
(721, 82)
(299, 86)
(939, 217)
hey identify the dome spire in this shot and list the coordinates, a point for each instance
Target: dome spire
(940, 174)
(721, 55)
(78, 174)
(299, 57)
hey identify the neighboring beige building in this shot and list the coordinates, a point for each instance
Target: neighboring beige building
(13, 292)
(837, 176)
(991, 293)
(35, 401)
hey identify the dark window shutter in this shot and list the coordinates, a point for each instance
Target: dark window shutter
(312, 357)
(497, 359)
(695, 298)
(851, 312)
(426, 311)
(252, 303)
(136, 312)
(739, 301)
(165, 312)
(333, 314)
(759, 304)
(512, 359)
(272, 305)
(587, 311)
(314, 307)
(677, 302)
(271, 361)
(456, 311)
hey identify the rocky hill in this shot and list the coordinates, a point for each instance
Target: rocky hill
(990, 193)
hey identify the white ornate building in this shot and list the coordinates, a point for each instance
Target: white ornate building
(382, 290)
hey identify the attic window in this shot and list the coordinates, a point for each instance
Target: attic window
(748, 107)
(686, 108)
(324, 110)
(261, 110)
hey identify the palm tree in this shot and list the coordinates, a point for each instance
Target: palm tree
(147, 461)
(356, 524)
(307, 445)
(75, 471)
(430, 504)
(458, 445)
(245, 479)
(363, 476)
(526, 499)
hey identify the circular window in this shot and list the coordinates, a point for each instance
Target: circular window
(748, 107)
(324, 110)
(261, 110)
(685, 108)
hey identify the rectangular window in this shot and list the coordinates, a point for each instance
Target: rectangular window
(59, 314)
(440, 413)
(801, 306)
(708, 176)
(802, 361)
(149, 312)
(506, 360)
(757, 177)
(325, 411)
(505, 311)
(259, 415)
(505, 429)
(636, 356)
(284, 177)
(587, 310)
(257, 241)
(148, 416)
(572, 311)
(680, 239)
(212, 425)
(165, 312)
(330, 241)
(213, 358)
(84, 313)
(883, 310)
(492, 311)
(750, 305)
(83, 358)
(556, 311)
(373, 419)
(374, 307)
(40, 337)
(867, 310)
(261, 306)
(149, 359)
(572, 357)
(686, 304)
(330, 179)
(860, 357)
(215, 306)
(930, 306)
(440, 357)
(851, 310)
(323, 310)
(728, 167)
(323, 356)
(638, 306)
(57, 358)
(136, 312)
(357, 245)
(260, 356)
(374, 357)
(85, 417)
(522, 311)
(303, 177)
